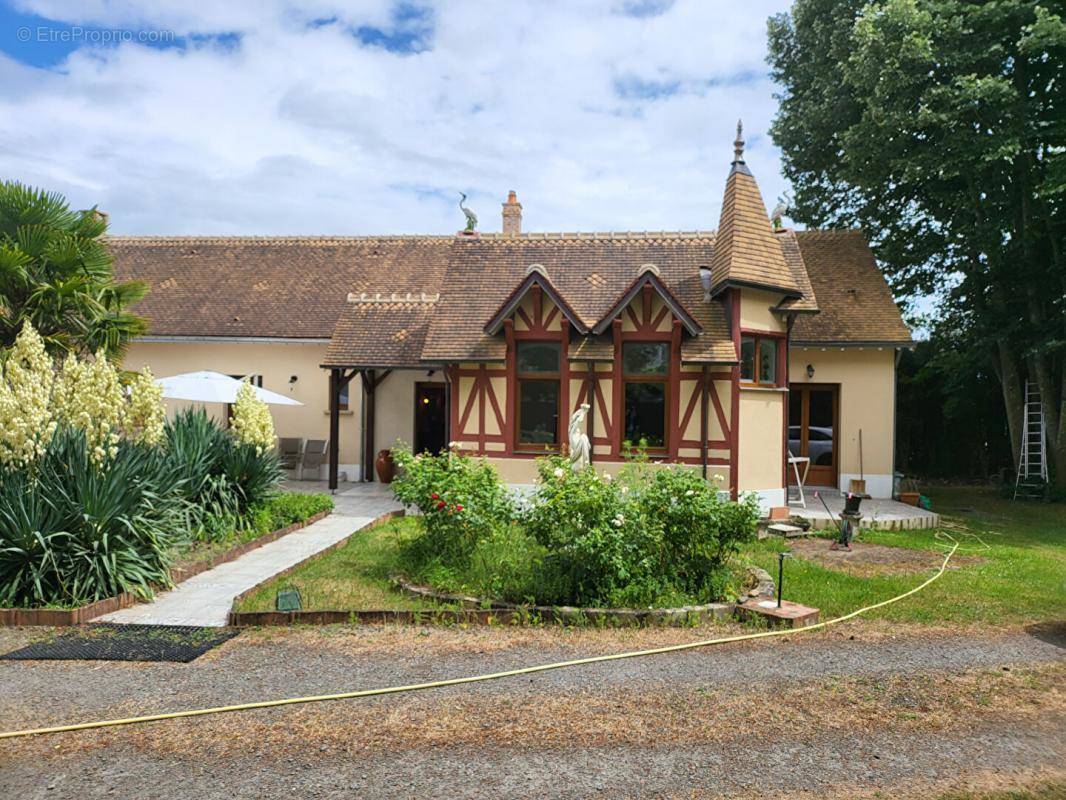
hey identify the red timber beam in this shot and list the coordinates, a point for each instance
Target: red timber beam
(734, 415)
(673, 397)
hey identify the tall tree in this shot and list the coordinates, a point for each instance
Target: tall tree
(55, 272)
(939, 126)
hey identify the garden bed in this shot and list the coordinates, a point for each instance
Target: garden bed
(355, 583)
(182, 571)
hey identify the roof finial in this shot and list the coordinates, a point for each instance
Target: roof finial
(738, 145)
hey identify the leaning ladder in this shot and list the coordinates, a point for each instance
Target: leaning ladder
(1032, 461)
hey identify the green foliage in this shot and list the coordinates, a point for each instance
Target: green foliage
(74, 533)
(652, 537)
(287, 508)
(461, 499)
(937, 127)
(55, 272)
(222, 479)
(701, 531)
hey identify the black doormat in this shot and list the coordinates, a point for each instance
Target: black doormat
(109, 642)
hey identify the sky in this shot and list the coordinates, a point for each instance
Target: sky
(370, 117)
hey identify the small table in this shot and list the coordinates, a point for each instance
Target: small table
(795, 461)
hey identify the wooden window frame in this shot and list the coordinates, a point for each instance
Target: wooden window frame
(557, 378)
(781, 343)
(664, 379)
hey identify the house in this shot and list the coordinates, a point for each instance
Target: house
(724, 350)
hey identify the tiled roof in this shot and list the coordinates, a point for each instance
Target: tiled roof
(386, 331)
(855, 301)
(299, 287)
(590, 271)
(746, 253)
(289, 287)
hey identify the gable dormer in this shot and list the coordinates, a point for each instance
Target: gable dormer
(647, 306)
(535, 306)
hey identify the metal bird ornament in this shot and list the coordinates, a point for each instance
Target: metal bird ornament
(471, 217)
(779, 211)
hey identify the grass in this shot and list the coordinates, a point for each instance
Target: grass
(354, 576)
(1048, 791)
(1020, 579)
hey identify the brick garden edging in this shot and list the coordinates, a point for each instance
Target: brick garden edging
(63, 617)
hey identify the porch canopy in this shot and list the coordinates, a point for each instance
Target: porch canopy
(206, 386)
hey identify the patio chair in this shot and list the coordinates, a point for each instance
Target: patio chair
(314, 456)
(794, 462)
(289, 451)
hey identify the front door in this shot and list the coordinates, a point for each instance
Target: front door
(813, 431)
(430, 416)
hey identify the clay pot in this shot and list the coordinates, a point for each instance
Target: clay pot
(385, 466)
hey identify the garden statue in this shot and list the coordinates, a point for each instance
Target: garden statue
(579, 441)
(471, 217)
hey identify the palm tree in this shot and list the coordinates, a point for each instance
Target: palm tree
(55, 272)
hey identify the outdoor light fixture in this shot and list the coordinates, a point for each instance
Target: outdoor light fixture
(294, 378)
(425, 401)
(810, 371)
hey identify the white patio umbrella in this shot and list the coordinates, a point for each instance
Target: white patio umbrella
(214, 387)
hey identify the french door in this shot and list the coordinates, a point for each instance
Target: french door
(813, 431)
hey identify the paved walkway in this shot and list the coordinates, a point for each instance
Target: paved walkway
(877, 514)
(205, 599)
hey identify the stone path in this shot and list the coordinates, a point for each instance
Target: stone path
(205, 599)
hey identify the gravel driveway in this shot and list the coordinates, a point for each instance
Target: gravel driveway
(824, 713)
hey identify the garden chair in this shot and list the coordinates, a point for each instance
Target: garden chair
(314, 456)
(289, 451)
(794, 462)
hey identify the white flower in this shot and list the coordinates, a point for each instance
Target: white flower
(618, 521)
(453, 445)
(625, 489)
(559, 472)
(689, 493)
(607, 477)
(718, 478)
(89, 396)
(252, 423)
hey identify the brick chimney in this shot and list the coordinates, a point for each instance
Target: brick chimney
(512, 215)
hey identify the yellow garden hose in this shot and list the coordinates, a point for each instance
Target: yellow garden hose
(491, 676)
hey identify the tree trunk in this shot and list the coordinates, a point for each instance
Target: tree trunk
(1006, 364)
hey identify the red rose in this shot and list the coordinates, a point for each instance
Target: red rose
(458, 508)
(434, 496)
(441, 504)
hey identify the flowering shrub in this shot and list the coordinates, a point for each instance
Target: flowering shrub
(88, 396)
(146, 415)
(252, 423)
(600, 544)
(461, 499)
(700, 530)
(26, 421)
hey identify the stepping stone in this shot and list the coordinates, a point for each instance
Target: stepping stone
(787, 530)
(789, 615)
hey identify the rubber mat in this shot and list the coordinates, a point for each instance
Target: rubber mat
(110, 642)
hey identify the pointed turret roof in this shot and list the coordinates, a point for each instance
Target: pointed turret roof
(746, 252)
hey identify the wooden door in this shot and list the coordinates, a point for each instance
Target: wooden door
(814, 431)
(430, 416)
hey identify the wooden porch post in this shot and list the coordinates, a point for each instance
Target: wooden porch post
(368, 425)
(334, 426)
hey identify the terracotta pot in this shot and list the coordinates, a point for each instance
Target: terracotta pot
(910, 498)
(385, 466)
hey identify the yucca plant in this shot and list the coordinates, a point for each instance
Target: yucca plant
(78, 532)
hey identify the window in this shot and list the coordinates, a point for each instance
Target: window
(644, 369)
(758, 360)
(342, 404)
(537, 367)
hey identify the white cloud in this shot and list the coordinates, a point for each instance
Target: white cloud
(305, 129)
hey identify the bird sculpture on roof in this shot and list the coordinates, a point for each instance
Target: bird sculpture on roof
(471, 217)
(579, 440)
(779, 211)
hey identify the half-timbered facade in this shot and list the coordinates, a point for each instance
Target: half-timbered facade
(726, 350)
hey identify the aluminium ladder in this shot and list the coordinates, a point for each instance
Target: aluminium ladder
(1032, 461)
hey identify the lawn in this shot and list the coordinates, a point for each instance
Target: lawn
(354, 576)
(1020, 579)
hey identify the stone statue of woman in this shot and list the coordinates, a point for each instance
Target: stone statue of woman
(579, 441)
